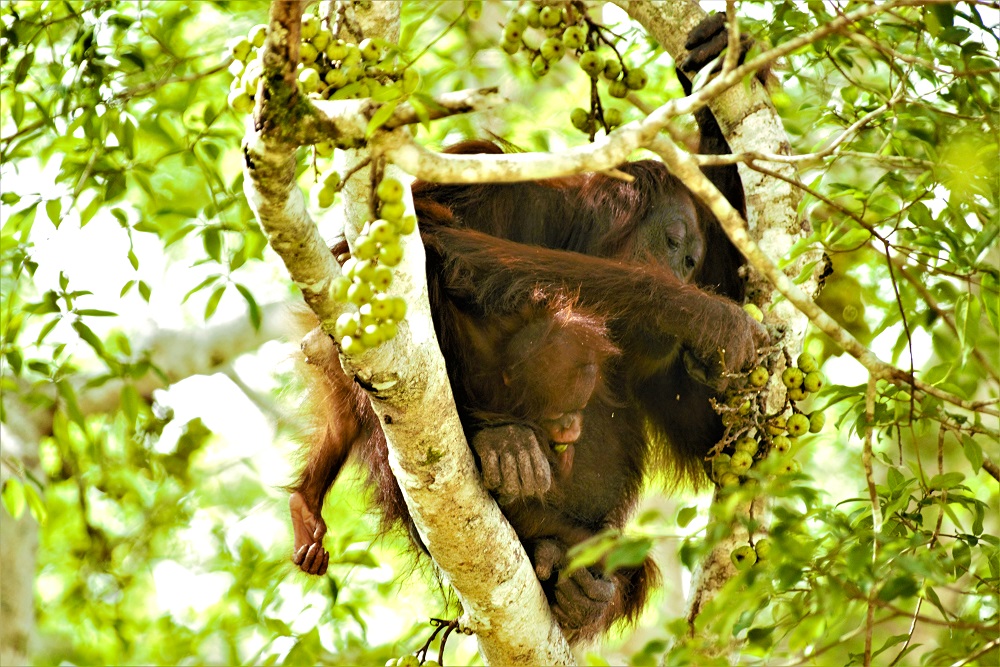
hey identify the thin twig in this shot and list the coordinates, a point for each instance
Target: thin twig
(732, 59)
(909, 635)
(981, 652)
(866, 460)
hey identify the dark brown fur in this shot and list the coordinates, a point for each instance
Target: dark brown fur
(568, 310)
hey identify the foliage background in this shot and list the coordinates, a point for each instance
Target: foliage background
(163, 530)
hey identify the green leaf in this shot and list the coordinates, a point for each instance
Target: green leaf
(213, 300)
(121, 340)
(962, 555)
(238, 259)
(686, 515)
(305, 652)
(252, 305)
(969, 329)
(946, 481)
(53, 208)
(977, 521)
(15, 360)
(126, 288)
(48, 304)
(590, 551)
(806, 632)
(920, 215)
(961, 317)
(89, 337)
(806, 273)
(115, 186)
(277, 627)
(36, 505)
(40, 367)
(387, 94)
(212, 239)
(22, 221)
(629, 552)
(973, 452)
(420, 109)
(144, 291)
(91, 208)
(200, 286)
(363, 558)
(23, 65)
(17, 110)
(762, 637)
(991, 299)
(890, 642)
(130, 402)
(13, 497)
(91, 312)
(931, 595)
(903, 585)
(954, 35)
(895, 479)
(801, 246)
(379, 118)
(851, 240)
(945, 15)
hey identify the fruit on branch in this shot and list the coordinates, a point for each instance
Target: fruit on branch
(792, 377)
(744, 557)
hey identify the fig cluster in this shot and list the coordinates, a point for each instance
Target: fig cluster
(802, 379)
(329, 68)
(367, 274)
(745, 556)
(771, 437)
(547, 33)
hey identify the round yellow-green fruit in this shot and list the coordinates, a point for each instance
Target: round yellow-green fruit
(744, 557)
(797, 424)
(740, 461)
(807, 363)
(792, 377)
(816, 422)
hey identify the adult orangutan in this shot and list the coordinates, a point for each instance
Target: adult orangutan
(585, 323)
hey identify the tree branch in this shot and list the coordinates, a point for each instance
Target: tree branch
(461, 526)
(346, 121)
